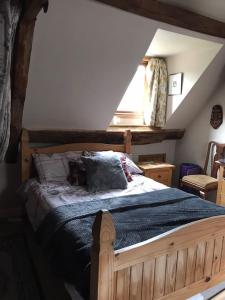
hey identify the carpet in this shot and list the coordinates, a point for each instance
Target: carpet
(17, 277)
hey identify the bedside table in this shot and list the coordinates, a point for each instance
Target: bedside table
(161, 172)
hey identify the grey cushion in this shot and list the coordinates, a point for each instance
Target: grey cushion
(131, 166)
(104, 173)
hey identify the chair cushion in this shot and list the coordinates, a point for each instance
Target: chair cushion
(201, 181)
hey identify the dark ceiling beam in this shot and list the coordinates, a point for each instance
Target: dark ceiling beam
(170, 14)
(140, 137)
(20, 70)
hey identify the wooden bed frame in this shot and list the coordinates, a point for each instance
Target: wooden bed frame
(173, 265)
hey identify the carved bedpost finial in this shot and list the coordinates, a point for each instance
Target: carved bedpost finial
(103, 230)
(102, 257)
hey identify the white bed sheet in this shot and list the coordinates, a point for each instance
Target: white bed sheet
(41, 198)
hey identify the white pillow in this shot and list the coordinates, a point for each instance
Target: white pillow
(54, 167)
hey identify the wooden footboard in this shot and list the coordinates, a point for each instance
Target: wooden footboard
(174, 265)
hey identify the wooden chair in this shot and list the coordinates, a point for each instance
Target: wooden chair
(203, 182)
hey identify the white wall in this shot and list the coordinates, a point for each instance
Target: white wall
(192, 64)
(81, 64)
(193, 146)
(167, 147)
(84, 56)
(198, 96)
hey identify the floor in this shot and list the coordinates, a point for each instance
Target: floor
(51, 287)
(48, 287)
(210, 293)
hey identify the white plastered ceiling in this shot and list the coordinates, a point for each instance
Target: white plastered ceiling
(166, 43)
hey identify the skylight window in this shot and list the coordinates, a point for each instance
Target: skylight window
(133, 98)
(130, 110)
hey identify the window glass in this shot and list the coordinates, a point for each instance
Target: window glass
(133, 98)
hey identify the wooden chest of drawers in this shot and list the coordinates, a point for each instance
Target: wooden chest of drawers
(161, 172)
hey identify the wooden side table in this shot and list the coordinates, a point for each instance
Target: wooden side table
(161, 172)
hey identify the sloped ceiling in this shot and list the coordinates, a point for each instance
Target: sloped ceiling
(84, 56)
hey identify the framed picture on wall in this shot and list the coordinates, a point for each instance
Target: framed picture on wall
(175, 84)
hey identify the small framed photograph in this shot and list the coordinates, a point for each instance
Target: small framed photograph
(175, 84)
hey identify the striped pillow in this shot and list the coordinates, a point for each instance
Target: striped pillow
(54, 167)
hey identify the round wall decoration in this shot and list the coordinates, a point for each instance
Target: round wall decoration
(216, 116)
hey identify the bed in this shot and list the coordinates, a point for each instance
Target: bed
(174, 264)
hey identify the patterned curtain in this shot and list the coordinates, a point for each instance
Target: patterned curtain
(156, 92)
(9, 16)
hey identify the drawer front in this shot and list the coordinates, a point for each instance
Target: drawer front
(162, 176)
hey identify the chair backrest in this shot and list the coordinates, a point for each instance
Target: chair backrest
(215, 151)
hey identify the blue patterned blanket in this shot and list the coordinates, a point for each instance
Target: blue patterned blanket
(66, 232)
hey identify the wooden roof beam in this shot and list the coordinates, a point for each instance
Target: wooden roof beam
(170, 14)
(20, 70)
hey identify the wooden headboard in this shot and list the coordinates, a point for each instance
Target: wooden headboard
(27, 150)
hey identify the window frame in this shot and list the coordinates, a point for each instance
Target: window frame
(131, 114)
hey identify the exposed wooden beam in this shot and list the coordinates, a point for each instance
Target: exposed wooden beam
(170, 14)
(20, 70)
(101, 136)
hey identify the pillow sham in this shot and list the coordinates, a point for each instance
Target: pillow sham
(54, 167)
(104, 173)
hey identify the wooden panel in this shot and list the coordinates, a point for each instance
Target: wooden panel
(102, 136)
(27, 150)
(162, 176)
(160, 273)
(102, 284)
(191, 260)
(177, 239)
(136, 282)
(148, 280)
(222, 261)
(195, 288)
(79, 147)
(20, 69)
(159, 157)
(200, 261)
(75, 136)
(209, 257)
(181, 269)
(171, 14)
(217, 255)
(123, 284)
(156, 136)
(220, 197)
(171, 267)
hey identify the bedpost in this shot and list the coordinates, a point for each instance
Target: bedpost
(127, 141)
(102, 257)
(220, 197)
(26, 158)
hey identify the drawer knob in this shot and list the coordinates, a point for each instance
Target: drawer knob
(159, 176)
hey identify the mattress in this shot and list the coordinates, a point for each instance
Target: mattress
(42, 198)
